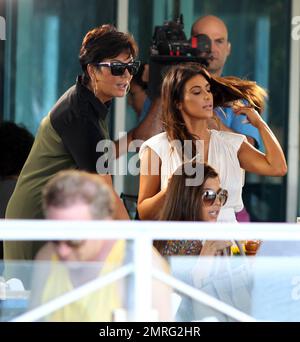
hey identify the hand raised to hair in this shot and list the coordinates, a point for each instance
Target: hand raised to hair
(253, 116)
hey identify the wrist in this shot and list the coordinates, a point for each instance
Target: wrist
(260, 124)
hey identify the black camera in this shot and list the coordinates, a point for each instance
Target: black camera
(169, 47)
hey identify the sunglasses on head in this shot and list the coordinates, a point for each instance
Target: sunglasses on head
(209, 197)
(118, 68)
(70, 243)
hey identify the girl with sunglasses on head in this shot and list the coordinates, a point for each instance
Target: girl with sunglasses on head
(201, 202)
(213, 269)
(189, 95)
(68, 135)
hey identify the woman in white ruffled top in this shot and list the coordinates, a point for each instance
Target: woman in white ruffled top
(189, 95)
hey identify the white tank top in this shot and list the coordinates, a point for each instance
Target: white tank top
(222, 156)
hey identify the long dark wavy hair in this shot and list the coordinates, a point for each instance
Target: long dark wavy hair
(182, 202)
(224, 91)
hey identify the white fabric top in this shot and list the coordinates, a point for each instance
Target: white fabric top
(222, 156)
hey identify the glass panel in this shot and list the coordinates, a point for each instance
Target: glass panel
(26, 285)
(265, 287)
(276, 290)
(50, 280)
(227, 279)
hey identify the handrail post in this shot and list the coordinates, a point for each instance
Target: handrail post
(142, 278)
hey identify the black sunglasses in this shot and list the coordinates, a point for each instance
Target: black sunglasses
(118, 68)
(209, 197)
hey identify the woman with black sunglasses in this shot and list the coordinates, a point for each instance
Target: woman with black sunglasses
(189, 95)
(68, 135)
(186, 202)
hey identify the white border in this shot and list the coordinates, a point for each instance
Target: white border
(293, 129)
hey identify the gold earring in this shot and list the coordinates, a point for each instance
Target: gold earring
(128, 89)
(95, 88)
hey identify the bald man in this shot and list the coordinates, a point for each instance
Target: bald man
(217, 31)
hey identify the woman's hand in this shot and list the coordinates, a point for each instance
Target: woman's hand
(253, 116)
(270, 163)
(214, 247)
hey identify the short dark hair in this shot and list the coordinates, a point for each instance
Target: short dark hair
(104, 42)
(15, 145)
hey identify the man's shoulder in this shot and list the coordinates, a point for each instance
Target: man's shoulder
(226, 114)
(238, 123)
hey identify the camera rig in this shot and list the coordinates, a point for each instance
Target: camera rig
(169, 47)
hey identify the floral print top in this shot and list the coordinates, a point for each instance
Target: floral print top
(182, 247)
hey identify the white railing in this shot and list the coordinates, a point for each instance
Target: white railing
(142, 233)
(72, 296)
(153, 230)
